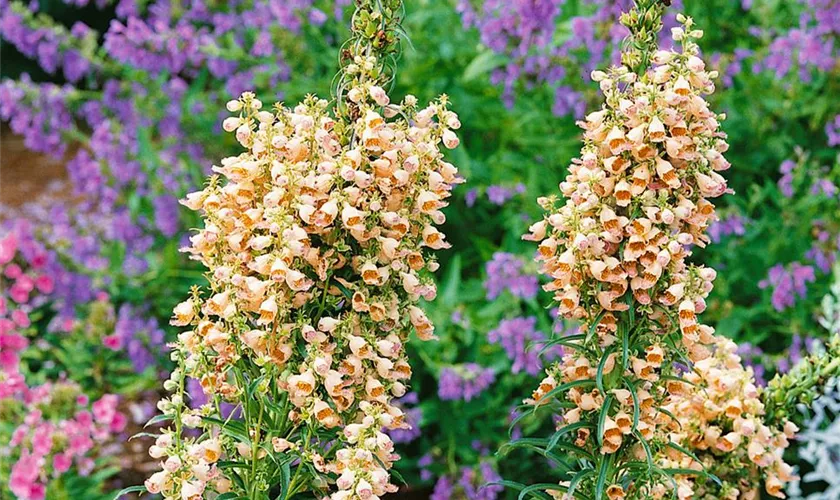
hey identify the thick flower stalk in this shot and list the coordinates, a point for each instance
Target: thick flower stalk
(615, 248)
(788, 392)
(318, 240)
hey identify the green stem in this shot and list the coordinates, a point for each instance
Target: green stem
(255, 442)
(179, 408)
(293, 483)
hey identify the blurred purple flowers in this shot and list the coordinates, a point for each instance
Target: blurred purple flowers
(142, 338)
(732, 224)
(464, 382)
(809, 46)
(538, 49)
(413, 414)
(788, 283)
(522, 343)
(474, 483)
(505, 271)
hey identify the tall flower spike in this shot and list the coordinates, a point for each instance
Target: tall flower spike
(319, 242)
(646, 388)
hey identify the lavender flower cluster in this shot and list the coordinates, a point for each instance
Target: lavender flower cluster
(506, 271)
(730, 225)
(521, 341)
(788, 282)
(808, 47)
(764, 364)
(464, 382)
(539, 50)
(809, 183)
(472, 484)
(496, 194)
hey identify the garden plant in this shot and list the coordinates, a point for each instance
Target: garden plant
(204, 295)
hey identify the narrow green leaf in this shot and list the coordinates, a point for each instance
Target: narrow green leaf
(508, 484)
(692, 472)
(157, 419)
(599, 375)
(600, 485)
(636, 409)
(666, 412)
(483, 63)
(580, 476)
(625, 347)
(565, 387)
(594, 325)
(285, 480)
(684, 451)
(646, 446)
(130, 489)
(538, 490)
(602, 418)
(566, 429)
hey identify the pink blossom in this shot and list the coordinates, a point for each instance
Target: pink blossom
(105, 409)
(22, 480)
(8, 363)
(45, 284)
(119, 422)
(62, 462)
(19, 294)
(42, 439)
(13, 271)
(8, 248)
(25, 282)
(6, 326)
(38, 261)
(113, 342)
(20, 317)
(13, 341)
(13, 384)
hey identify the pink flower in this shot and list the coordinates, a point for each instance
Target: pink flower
(8, 248)
(13, 384)
(79, 444)
(13, 341)
(20, 317)
(119, 422)
(84, 418)
(45, 284)
(22, 480)
(13, 271)
(62, 463)
(39, 260)
(113, 342)
(25, 282)
(6, 326)
(42, 439)
(105, 409)
(19, 294)
(8, 363)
